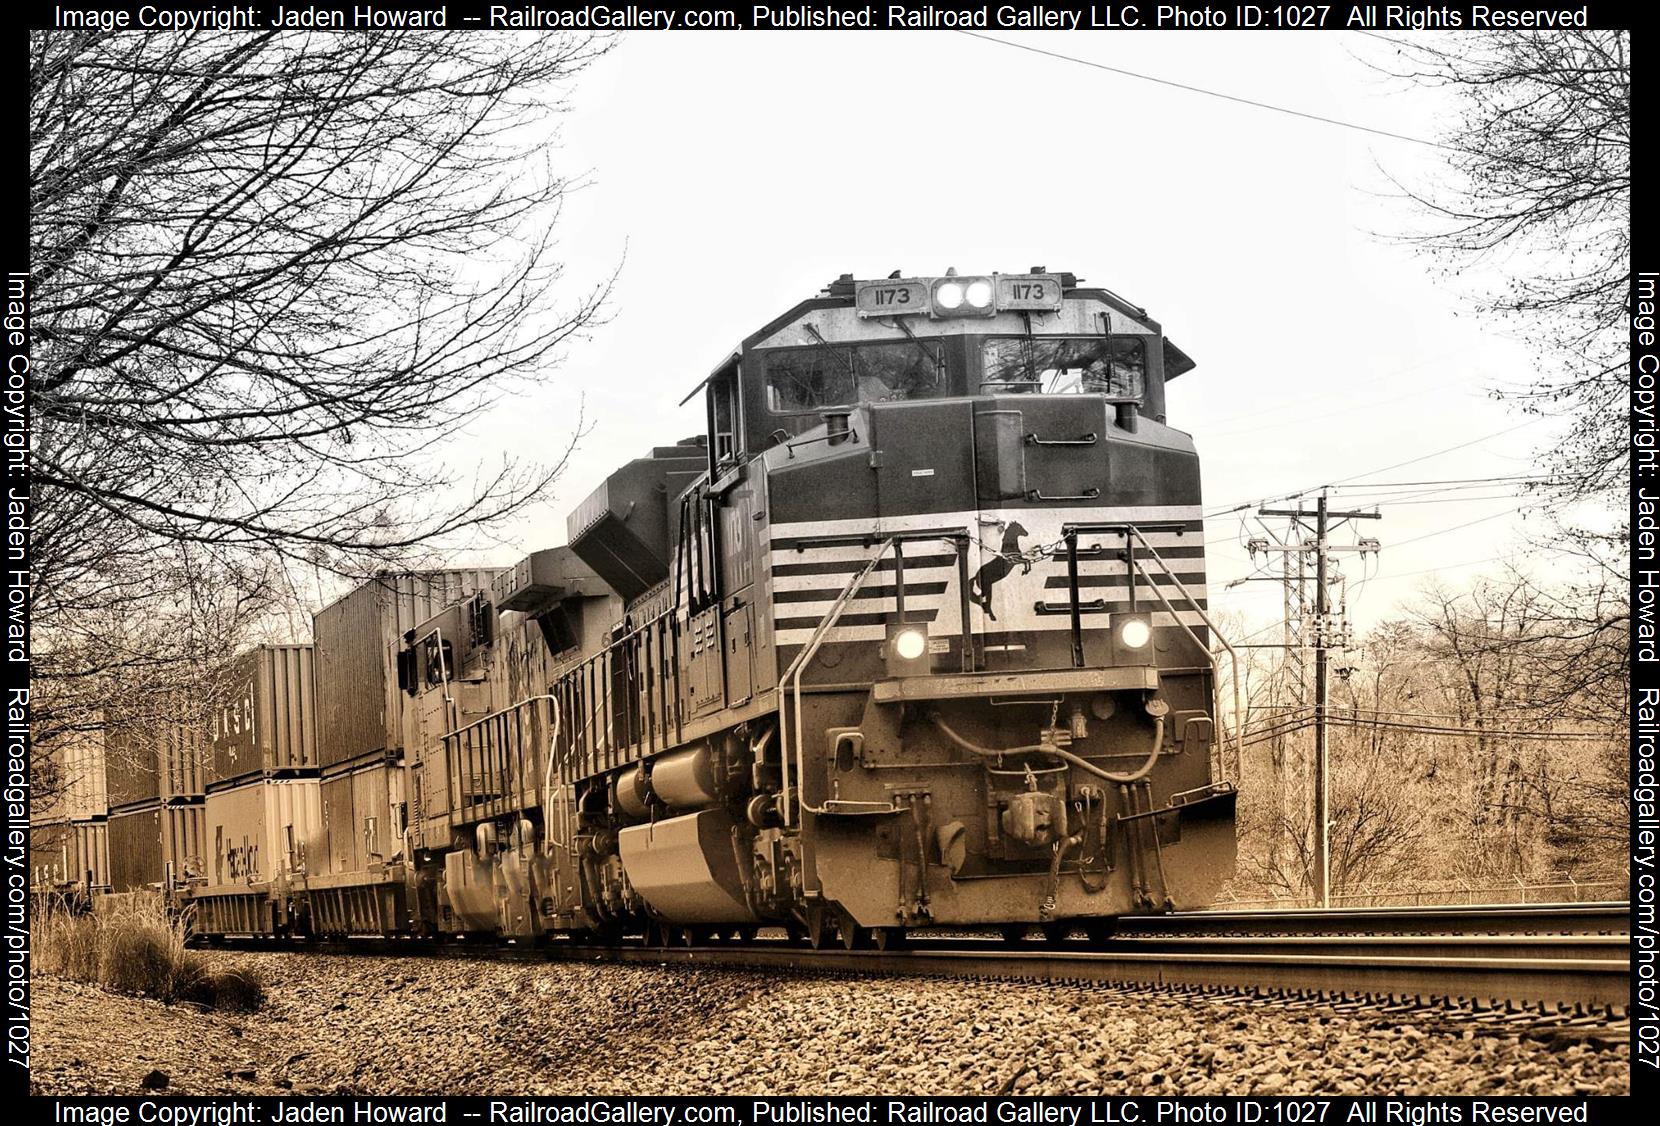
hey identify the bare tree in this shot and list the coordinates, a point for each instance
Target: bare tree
(1540, 163)
(1519, 664)
(1479, 740)
(272, 273)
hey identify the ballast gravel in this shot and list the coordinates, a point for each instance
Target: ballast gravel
(372, 1025)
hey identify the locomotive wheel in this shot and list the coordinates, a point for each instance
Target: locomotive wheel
(889, 938)
(854, 937)
(1014, 933)
(746, 934)
(1056, 934)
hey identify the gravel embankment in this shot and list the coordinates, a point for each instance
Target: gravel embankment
(417, 1026)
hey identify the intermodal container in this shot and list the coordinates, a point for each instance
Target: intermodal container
(89, 853)
(183, 842)
(267, 723)
(359, 803)
(135, 854)
(261, 828)
(49, 846)
(83, 795)
(359, 704)
(131, 762)
(186, 760)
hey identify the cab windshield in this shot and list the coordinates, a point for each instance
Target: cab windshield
(1115, 366)
(800, 380)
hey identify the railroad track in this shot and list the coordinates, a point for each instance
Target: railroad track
(1566, 961)
(1593, 980)
(1502, 919)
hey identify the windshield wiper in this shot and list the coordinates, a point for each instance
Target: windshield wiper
(932, 356)
(845, 357)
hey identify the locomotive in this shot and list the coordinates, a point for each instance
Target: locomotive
(914, 635)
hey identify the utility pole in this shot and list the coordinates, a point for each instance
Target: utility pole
(1323, 634)
(1322, 700)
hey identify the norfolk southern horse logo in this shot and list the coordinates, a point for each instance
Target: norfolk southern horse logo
(1010, 553)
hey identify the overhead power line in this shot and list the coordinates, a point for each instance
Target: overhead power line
(1235, 98)
(1460, 527)
(1443, 567)
(1284, 725)
(1370, 472)
(1469, 732)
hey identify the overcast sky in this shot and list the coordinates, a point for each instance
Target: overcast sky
(742, 171)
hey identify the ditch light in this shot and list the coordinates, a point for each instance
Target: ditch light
(1133, 631)
(906, 650)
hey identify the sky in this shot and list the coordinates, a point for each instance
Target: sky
(734, 174)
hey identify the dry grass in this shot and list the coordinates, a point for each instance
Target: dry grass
(138, 948)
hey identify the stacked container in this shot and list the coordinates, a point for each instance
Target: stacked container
(261, 828)
(86, 808)
(132, 787)
(135, 847)
(360, 707)
(186, 758)
(262, 815)
(153, 770)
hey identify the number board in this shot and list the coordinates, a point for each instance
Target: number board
(1028, 291)
(891, 298)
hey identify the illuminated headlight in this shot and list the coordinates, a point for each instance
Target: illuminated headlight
(909, 644)
(949, 295)
(978, 294)
(1134, 632)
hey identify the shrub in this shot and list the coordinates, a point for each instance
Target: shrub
(139, 948)
(67, 945)
(137, 954)
(238, 989)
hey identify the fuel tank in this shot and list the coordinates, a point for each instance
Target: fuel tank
(684, 867)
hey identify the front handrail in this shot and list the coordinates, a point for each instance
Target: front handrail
(1233, 657)
(792, 676)
(1128, 530)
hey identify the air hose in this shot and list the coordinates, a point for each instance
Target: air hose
(1083, 764)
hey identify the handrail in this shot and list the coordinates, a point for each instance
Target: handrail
(1134, 565)
(799, 665)
(497, 714)
(493, 759)
(1233, 657)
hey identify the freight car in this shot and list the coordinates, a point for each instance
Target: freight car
(914, 634)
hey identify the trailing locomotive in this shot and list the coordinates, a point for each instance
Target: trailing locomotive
(914, 634)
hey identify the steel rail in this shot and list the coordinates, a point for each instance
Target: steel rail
(1547, 946)
(1540, 918)
(1587, 982)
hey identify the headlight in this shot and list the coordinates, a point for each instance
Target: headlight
(1135, 632)
(909, 644)
(952, 296)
